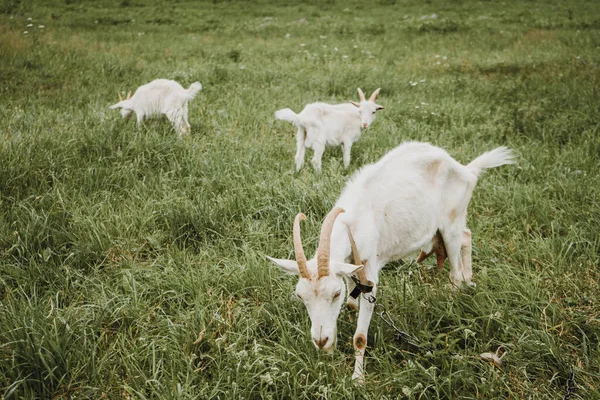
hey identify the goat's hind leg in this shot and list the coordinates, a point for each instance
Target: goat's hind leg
(318, 149)
(453, 240)
(300, 148)
(465, 255)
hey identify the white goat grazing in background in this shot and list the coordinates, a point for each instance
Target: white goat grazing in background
(161, 96)
(390, 209)
(321, 124)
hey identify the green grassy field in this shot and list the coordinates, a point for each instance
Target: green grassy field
(132, 263)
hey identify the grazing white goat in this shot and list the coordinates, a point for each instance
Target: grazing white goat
(390, 209)
(321, 124)
(161, 96)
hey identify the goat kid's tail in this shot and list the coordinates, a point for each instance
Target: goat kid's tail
(491, 159)
(193, 90)
(288, 115)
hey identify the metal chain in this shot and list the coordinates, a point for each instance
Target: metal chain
(385, 316)
(571, 387)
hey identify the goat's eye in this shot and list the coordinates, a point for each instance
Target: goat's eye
(337, 294)
(298, 296)
(373, 112)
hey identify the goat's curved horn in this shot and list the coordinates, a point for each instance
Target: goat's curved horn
(129, 94)
(119, 94)
(355, 254)
(361, 95)
(362, 276)
(325, 242)
(298, 250)
(374, 95)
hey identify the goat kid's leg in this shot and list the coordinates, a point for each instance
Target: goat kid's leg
(318, 149)
(365, 313)
(300, 148)
(465, 255)
(347, 148)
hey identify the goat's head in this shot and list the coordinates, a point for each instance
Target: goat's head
(124, 105)
(320, 286)
(367, 108)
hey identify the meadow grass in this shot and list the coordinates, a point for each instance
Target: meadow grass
(132, 263)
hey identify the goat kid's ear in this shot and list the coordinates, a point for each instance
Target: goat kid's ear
(344, 269)
(118, 105)
(378, 107)
(355, 104)
(287, 266)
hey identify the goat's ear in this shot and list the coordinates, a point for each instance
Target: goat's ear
(287, 266)
(344, 269)
(378, 107)
(355, 104)
(118, 105)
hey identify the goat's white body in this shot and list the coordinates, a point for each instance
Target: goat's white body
(396, 205)
(162, 97)
(394, 208)
(321, 124)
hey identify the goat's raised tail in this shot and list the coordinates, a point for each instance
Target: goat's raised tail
(491, 159)
(286, 114)
(193, 90)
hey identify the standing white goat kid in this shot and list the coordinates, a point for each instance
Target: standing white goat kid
(161, 96)
(390, 209)
(321, 124)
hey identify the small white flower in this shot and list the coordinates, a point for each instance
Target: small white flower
(29, 19)
(344, 56)
(302, 44)
(424, 104)
(29, 25)
(413, 83)
(355, 46)
(422, 80)
(335, 48)
(323, 37)
(41, 26)
(324, 46)
(438, 63)
(287, 35)
(242, 67)
(410, 272)
(437, 56)
(25, 33)
(444, 58)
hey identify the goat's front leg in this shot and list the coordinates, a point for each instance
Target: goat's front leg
(347, 147)
(365, 313)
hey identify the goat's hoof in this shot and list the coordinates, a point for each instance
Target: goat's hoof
(358, 379)
(352, 304)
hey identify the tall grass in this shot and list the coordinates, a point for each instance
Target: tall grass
(132, 263)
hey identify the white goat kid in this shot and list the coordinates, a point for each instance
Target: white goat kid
(390, 209)
(321, 124)
(161, 96)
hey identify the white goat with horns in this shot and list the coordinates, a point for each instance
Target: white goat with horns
(161, 96)
(322, 124)
(392, 208)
